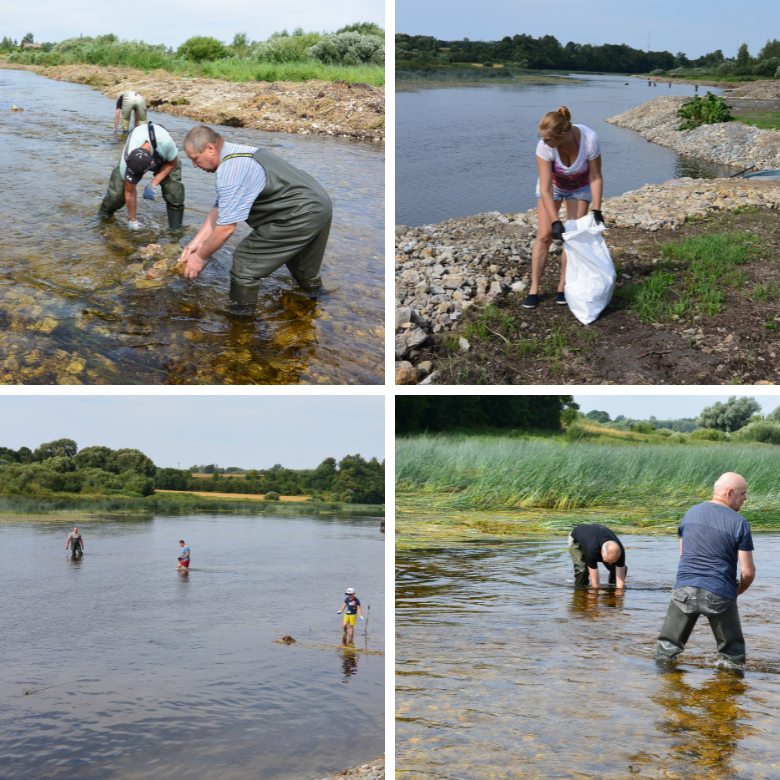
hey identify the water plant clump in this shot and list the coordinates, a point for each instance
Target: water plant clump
(708, 110)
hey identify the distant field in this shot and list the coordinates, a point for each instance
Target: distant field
(255, 496)
(221, 476)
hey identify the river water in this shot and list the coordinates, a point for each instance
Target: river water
(70, 312)
(504, 671)
(464, 151)
(136, 671)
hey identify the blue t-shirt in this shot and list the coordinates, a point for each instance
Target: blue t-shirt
(352, 602)
(712, 535)
(185, 553)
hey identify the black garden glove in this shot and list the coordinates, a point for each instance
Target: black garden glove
(598, 216)
(557, 230)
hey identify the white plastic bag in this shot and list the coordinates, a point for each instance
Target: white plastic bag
(590, 274)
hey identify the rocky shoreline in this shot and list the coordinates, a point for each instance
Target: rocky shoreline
(441, 270)
(728, 143)
(337, 109)
(373, 770)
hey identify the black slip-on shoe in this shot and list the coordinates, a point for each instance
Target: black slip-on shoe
(560, 299)
(531, 301)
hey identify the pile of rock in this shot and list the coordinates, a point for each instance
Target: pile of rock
(153, 265)
(727, 143)
(373, 770)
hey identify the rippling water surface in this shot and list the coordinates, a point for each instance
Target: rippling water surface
(137, 671)
(504, 671)
(463, 151)
(69, 311)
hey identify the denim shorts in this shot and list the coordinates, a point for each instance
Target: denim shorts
(581, 194)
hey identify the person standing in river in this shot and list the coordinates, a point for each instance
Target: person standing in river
(352, 606)
(569, 161)
(713, 537)
(129, 102)
(288, 210)
(76, 543)
(148, 147)
(184, 558)
(592, 544)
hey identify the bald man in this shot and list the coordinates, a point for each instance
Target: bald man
(713, 537)
(592, 544)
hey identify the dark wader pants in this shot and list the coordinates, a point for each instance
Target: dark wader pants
(581, 574)
(684, 610)
(171, 186)
(290, 223)
(75, 548)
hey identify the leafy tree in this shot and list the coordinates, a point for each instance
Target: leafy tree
(93, 457)
(29, 38)
(600, 417)
(200, 48)
(743, 56)
(272, 496)
(65, 448)
(774, 415)
(728, 417)
(133, 461)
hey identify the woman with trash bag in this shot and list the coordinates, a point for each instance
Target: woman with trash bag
(569, 160)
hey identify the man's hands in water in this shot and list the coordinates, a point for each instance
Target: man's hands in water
(194, 263)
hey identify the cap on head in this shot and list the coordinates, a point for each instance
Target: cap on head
(349, 591)
(138, 163)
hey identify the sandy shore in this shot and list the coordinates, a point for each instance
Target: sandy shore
(308, 108)
(373, 770)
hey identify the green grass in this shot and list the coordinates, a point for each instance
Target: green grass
(765, 120)
(494, 473)
(710, 262)
(69, 504)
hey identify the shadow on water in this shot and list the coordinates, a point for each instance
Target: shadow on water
(74, 311)
(504, 670)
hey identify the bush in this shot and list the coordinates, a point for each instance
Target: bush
(704, 111)
(575, 432)
(202, 48)
(272, 496)
(658, 72)
(487, 64)
(284, 48)
(725, 68)
(349, 48)
(763, 431)
(364, 28)
(665, 432)
(643, 427)
(777, 74)
(708, 434)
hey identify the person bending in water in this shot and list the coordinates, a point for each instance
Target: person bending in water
(184, 560)
(713, 536)
(569, 161)
(129, 103)
(592, 544)
(76, 542)
(352, 606)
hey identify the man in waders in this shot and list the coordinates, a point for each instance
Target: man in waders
(128, 103)
(148, 147)
(592, 544)
(288, 210)
(713, 536)
(76, 543)
(352, 606)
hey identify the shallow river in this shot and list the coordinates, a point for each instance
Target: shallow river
(464, 151)
(137, 671)
(70, 312)
(504, 671)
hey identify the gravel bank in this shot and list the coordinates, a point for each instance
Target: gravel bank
(442, 270)
(307, 108)
(727, 143)
(373, 770)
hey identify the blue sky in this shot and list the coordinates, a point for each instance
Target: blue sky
(246, 431)
(692, 27)
(174, 21)
(664, 407)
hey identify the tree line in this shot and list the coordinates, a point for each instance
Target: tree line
(419, 413)
(60, 467)
(548, 53)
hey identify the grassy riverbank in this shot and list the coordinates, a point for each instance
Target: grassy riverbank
(78, 505)
(451, 488)
(413, 79)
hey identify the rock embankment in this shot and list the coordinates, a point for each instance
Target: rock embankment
(307, 108)
(726, 143)
(373, 770)
(441, 270)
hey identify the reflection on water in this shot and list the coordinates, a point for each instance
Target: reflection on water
(503, 670)
(136, 670)
(463, 151)
(70, 312)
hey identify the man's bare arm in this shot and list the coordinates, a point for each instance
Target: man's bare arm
(116, 118)
(620, 576)
(164, 171)
(130, 199)
(748, 570)
(594, 576)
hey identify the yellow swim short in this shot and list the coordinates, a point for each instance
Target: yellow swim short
(350, 620)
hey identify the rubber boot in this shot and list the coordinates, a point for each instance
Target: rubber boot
(312, 285)
(175, 217)
(103, 214)
(244, 295)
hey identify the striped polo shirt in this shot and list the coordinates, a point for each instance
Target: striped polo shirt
(239, 182)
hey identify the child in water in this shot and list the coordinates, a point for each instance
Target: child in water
(184, 560)
(352, 607)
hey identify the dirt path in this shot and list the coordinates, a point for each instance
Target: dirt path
(307, 108)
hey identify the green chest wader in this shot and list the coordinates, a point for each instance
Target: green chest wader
(171, 186)
(290, 221)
